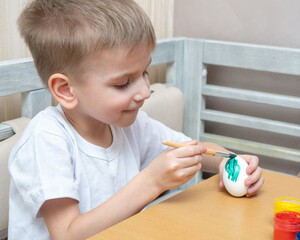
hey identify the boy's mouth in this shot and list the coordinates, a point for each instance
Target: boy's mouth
(135, 108)
(132, 110)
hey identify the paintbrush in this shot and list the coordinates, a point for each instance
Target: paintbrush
(209, 151)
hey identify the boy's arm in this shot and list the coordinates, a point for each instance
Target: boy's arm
(64, 220)
(171, 169)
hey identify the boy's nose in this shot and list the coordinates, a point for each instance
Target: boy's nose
(143, 90)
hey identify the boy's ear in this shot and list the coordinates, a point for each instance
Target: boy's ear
(60, 86)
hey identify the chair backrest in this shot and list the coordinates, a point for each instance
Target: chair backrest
(20, 76)
(165, 105)
(188, 60)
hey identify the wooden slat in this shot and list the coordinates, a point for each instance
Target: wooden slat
(253, 147)
(191, 85)
(256, 57)
(164, 52)
(251, 122)
(184, 74)
(18, 76)
(175, 70)
(252, 96)
(35, 101)
(6, 131)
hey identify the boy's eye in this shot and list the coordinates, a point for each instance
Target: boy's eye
(125, 85)
(122, 86)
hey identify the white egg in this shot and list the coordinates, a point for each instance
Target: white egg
(234, 175)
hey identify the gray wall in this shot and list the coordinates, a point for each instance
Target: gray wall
(268, 22)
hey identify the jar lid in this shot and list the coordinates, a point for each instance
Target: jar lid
(286, 204)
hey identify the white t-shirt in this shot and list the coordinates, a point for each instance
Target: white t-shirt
(51, 160)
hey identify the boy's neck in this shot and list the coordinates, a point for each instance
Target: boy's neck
(95, 132)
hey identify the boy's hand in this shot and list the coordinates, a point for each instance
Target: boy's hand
(255, 179)
(175, 167)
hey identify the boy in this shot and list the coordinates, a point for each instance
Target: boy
(94, 160)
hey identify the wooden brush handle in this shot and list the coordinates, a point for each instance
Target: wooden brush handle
(174, 144)
(209, 151)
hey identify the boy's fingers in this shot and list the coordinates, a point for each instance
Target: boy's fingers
(254, 177)
(189, 172)
(189, 151)
(221, 184)
(255, 187)
(252, 163)
(193, 173)
(190, 161)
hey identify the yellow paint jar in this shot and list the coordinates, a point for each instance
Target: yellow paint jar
(286, 204)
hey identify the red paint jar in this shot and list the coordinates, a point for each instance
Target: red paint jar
(286, 225)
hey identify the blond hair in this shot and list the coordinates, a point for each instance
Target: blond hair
(60, 33)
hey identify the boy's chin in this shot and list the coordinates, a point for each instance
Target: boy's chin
(126, 122)
(123, 125)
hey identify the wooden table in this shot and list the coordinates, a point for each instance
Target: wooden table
(205, 212)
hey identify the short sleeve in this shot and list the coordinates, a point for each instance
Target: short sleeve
(42, 168)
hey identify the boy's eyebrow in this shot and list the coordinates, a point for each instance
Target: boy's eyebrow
(131, 73)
